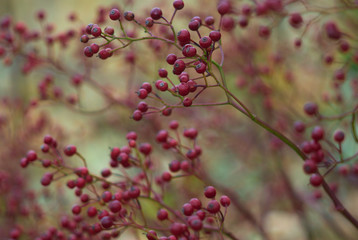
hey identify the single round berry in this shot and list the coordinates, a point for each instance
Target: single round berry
(178, 4)
(189, 50)
(196, 203)
(332, 31)
(171, 58)
(142, 106)
(210, 192)
(151, 235)
(213, 207)
(149, 22)
(317, 133)
(215, 35)
(200, 67)
(162, 136)
(31, 156)
(225, 201)
(177, 228)
(87, 51)
(137, 115)
(205, 42)
(162, 214)
(187, 102)
(96, 30)
(309, 166)
(161, 85)
(156, 13)
(174, 124)
(91, 211)
(187, 209)
(115, 206)
(174, 166)
(295, 20)
(195, 223)
(76, 209)
(84, 38)
(106, 222)
(162, 73)
(224, 7)
(147, 87)
(70, 150)
(183, 36)
(310, 108)
(104, 54)
(142, 93)
(109, 30)
(129, 16)
(299, 126)
(338, 136)
(114, 14)
(209, 20)
(179, 67)
(145, 148)
(194, 25)
(316, 180)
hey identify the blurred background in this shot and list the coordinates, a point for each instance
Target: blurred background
(274, 76)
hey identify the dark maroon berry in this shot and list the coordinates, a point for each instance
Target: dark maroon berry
(200, 67)
(174, 166)
(76, 209)
(178, 4)
(189, 50)
(196, 203)
(162, 214)
(187, 209)
(295, 20)
(225, 201)
(166, 177)
(209, 20)
(228, 24)
(210, 192)
(96, 30)
(299, 126)
(317, 133)
(194, 25)
(149, 22)
(177, 228)
(70, 150)
(215, 35)
(205, 42)
(179, 67)
(87, 51)
(151, 235)
(243, 21)
(316, 180)
(84, 38)
(161, 85)
(224, 7)
(145, 148)
(142, 106)
(147, 87)
(187, 102)
(162, 136)
(162, 73)
(114, 14)
(109, 30)
(156, 13)
(195, 223)
(129, 16)
(104, 54)
(338, 136)
(213, 207)
(171, 58)
(142, 93)
(310, 108)
(183, 36)
(309, 166)
(332, 31)
(115, 206)
(137, 115)
(106, 222)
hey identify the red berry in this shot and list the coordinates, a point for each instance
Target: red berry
(151, 235)
(145, 148)
(106, 222)
(194, 25)
(129, 16)
(142, 93)
(195, 223)
(189, 50)
(142, 106)
(332, 31)
(213, 207)
(200, 67)
(156, 13)
(162, 73)
(31, 156)
(187, 209)
(115, 206)
(225, 201)
(317, 133)
(162, 136)
(109, 30)
(137, 115)
(76, 209)
(187, 102)
(171, 58)
(264, 31)
(210, 192)
(114, 14)
(295, 20)
(149, 22)
(310, 108)
(215, 35)
(309, 166)
(338, 136)
(174, 124)
(87, 51)
(177, 228)
(178, 4)
(91, 211)
(224, 7)
(174, 166)
(161, 85)
(299, 126)
(179, 67)
(104, 53)
(166, 176)
(196, 203)
(316, 180)
(96, 30)
(147, 87)
(162, 214)
(70, 150)
(205, 42)
(209, 20)
(183, 36)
